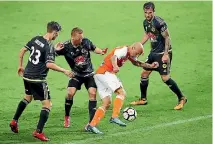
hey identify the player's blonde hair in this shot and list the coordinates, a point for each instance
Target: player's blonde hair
(76, 30)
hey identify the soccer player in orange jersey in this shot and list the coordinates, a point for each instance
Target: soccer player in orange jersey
(108, 83)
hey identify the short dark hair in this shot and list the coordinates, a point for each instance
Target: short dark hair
(149, 5)
(51, 26)
(76, 30)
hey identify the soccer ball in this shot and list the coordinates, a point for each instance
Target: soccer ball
(129, 114)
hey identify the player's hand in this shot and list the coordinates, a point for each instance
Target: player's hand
(69, 73)
(165, 58)
(115, 69)
(20, 71)
(59, 46)
(155, 65)
(104, 51)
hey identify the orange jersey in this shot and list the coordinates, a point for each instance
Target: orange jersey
(122, 56)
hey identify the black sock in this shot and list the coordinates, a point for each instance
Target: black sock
(43, 118)
(92, 109)
(174, 87)
(143, 87)
(68, 105)
(22, 105)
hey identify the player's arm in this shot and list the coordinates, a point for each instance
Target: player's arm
(143, 64)
(93, 48)
(100, 51)
(114, 59)
(22, 52)
(144, 38)
(50, 62)
(60, 49)
(166, 36)
(21, 56)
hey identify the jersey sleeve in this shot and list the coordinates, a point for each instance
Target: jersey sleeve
(161, 24)
(29, 44)
(120, 53)
(50, 54)
(144, 26)
(134, 58)
(88, 44)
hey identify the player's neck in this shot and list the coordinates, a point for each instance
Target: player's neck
(47, 37)
(75, 46)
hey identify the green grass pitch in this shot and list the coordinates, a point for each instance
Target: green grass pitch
(110, 24)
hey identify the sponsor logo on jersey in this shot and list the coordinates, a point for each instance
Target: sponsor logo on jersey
(152, 37)
(79, 60)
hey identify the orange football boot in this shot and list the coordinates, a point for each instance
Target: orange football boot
(142, 101)
(181, 103)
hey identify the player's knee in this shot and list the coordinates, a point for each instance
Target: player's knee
(121, 92)
(145, 74)
(92, 94)
(106, 105)
(28, 98)
(165, 78)
(70, 94)
(47, 104)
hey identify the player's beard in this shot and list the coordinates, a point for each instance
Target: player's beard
(54, 37)
(149, 18)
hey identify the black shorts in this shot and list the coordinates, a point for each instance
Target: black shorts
(78, 81)
(38, 90)
(164, 68)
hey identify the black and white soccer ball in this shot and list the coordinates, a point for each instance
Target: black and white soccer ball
(129, 114)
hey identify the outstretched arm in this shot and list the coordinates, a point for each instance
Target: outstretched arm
(144, 38)
(100, 51)
(143, 64)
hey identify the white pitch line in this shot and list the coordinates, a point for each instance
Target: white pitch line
(140, 129)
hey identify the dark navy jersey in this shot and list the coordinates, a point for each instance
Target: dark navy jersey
(154, 30)
(41, 52)
(78, 57)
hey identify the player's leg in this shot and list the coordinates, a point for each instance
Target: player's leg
(114, 84)
(164, 70)
(73, 85)
(118, 103)
(44, 114)
(92, 88)
(21, 107)
(100, 112)
(41, 92)
(105, 94)
(144, 82)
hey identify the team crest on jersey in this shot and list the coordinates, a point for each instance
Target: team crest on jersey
(153, 29)
(164, 65)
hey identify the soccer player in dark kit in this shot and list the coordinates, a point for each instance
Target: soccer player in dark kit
(157, 31)
(41, 59)
(77, 54)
